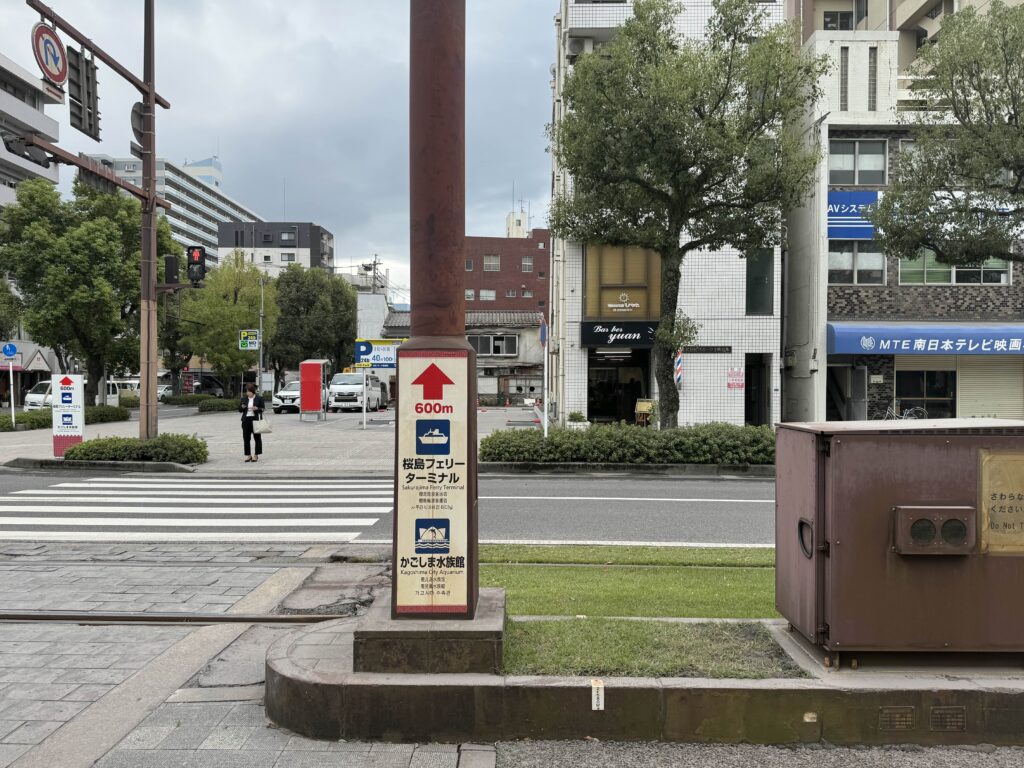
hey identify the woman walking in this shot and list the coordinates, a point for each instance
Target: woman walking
(251, 407)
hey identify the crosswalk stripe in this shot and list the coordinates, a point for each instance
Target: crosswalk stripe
(21, 508)
(175, 493)
(173, 522)
(384, 501)
(191, 509)
(220, 486)
(258, 480)
(273, 537)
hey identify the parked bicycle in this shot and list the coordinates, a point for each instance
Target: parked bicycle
(894, 412)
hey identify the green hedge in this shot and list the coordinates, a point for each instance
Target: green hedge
(43, 418)
(187, 399)
(627, 444)
(217, 404)
(128, 401)
(101, 414)
(183, 449)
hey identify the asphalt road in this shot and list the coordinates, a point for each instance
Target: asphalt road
(514, 508)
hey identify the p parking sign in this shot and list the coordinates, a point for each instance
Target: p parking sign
(249, 339)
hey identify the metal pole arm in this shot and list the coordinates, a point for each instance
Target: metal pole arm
(62, 24)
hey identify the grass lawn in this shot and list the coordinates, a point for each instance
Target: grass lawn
(760, 557)
(573, 590)
(644, 649)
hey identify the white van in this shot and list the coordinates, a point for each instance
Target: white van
(346, 392)
(38, 397)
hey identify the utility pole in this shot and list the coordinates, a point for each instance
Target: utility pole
(148, 320)
(259, 373)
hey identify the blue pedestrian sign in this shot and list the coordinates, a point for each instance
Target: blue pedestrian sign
(10, 349)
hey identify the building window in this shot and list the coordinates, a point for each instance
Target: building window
(540, 275)
(470, 294)
(935, 391)
(527, 293)
(855, 262)
(267, 257)
(469, 265)
(510, 293)
(838, 21)
(856, 162)
(844, 79)
(288, 237)
(129, 166)
(492, 263)
(761, 282)
(540, 303)
(872, 79)
(268, 237)
(486, 294)
(287, 257)
(527, 263)
(928, 270)
(503, 346)
(540, 246)
(860, 11)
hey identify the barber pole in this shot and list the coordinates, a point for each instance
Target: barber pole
(679, 368)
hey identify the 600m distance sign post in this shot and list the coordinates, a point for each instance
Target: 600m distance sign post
(435, 494)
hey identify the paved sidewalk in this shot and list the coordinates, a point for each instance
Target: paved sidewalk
(337, 447)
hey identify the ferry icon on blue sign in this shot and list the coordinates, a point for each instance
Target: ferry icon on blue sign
(433, 536)
(433, 437)
(65, 397)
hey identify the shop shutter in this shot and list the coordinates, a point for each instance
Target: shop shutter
(925, 362)
(990, 386)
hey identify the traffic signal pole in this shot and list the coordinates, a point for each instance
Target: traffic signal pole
(148, 319)
(147, 195)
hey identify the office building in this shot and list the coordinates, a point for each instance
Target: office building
(865, 334)
(605, 301)
(274, 245)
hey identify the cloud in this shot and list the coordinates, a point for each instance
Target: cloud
(306, 103)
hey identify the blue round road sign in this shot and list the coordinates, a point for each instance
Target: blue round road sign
(9, 350)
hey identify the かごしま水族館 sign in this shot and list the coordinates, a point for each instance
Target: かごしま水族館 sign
(434, 484)
(67, 403)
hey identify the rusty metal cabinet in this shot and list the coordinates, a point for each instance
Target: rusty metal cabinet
(902, 535)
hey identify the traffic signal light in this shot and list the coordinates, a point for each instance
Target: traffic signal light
(196, 255)
(82, 98)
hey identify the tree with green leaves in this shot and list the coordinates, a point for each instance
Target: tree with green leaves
(679, 144)
(959, 192)
(229, 302)
(318, 319)
(76, 265)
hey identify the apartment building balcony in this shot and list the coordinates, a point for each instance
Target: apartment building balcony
(597, 20)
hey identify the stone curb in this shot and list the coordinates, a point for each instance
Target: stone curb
(122, 466)
(331, 704)
(690, 470)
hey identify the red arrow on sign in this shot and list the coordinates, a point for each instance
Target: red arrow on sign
(433, 382)
(66, 381)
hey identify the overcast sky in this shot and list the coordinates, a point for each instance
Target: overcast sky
(312, 96)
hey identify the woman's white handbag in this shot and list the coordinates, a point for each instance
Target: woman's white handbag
(261, 426)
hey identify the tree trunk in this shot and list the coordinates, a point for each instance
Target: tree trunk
(94, 371)
(664, 352)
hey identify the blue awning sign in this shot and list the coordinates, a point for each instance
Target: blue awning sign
(852, 338)
(846, 214)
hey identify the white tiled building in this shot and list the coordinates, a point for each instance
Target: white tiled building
(731, 372)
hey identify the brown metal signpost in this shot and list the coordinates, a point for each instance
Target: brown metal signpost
(435, 523)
